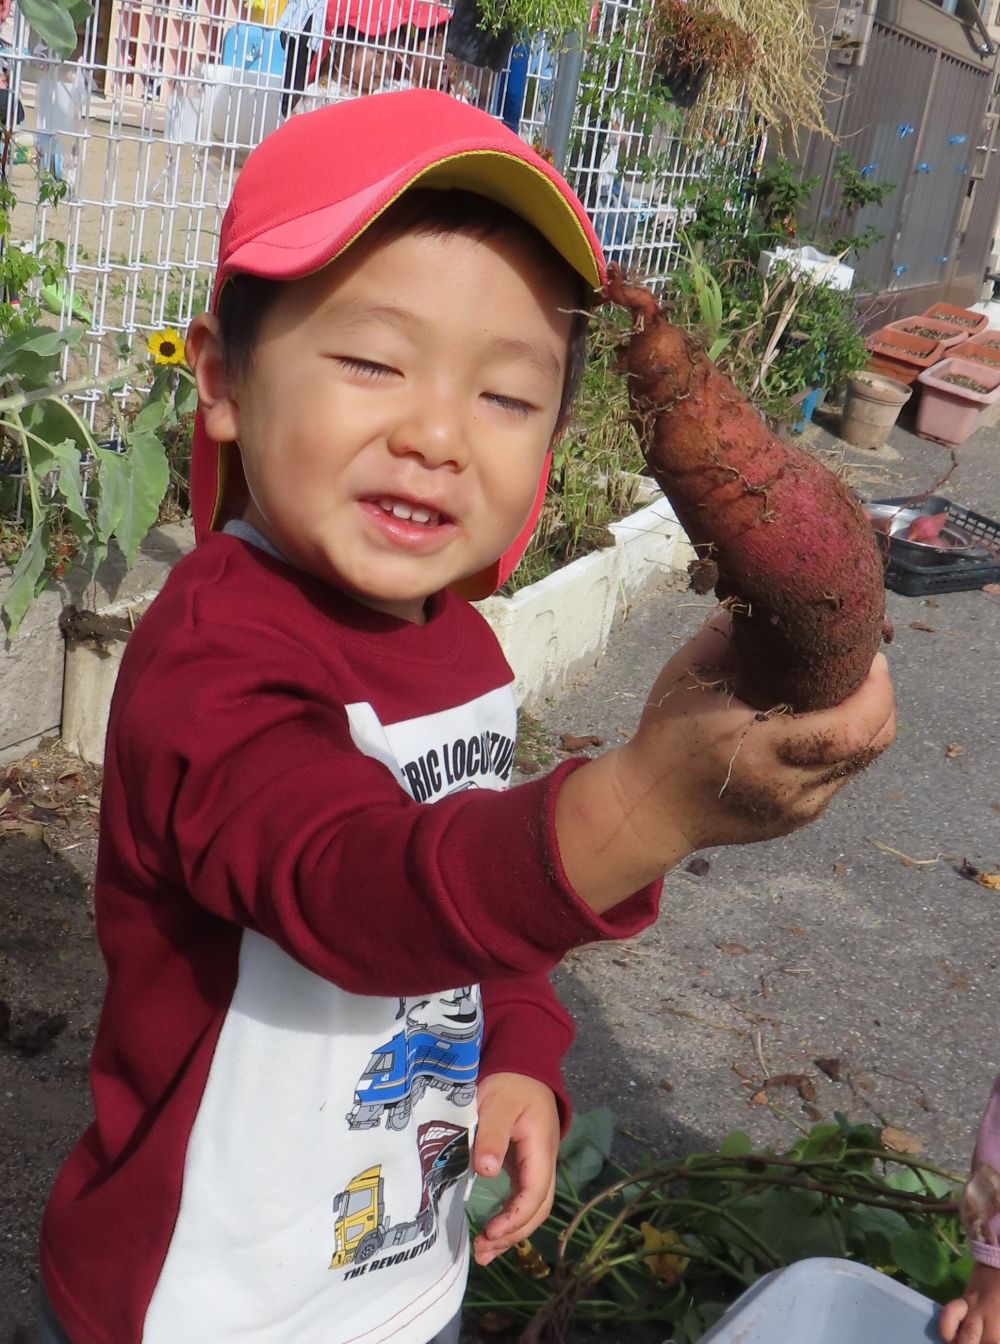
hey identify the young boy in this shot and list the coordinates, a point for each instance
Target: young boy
(306, 839)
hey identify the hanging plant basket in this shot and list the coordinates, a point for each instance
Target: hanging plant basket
(685, 82)
(471, 41)
(689, 42)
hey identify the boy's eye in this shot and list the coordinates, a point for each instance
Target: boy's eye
(370, 368)
(513, 404)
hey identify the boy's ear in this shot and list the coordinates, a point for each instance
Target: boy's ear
(216, 399)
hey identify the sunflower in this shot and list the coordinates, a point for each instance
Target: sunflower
(166, 346)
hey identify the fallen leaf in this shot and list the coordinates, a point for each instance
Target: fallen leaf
(813, 1112)
(923, 1103)
(734, 949)
(570, 742)
(32, 830)
(919, 625)
(965, 869)
(831, 1067)
(5, 798)
(801, 1082)
(839, 869)
(665, 1085)
(952, 750)
(793, 928)
(900, 1140)
(698, 867)
(992, 588)
(665, 1265)
(931, 602)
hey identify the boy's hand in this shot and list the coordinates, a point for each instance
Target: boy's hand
(704, 769)
(974, 1318)
(519, 1132)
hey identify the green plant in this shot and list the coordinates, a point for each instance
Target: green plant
(856, 192)
(554, 18)
(678, 1241)
(781, 192)
(83, 494)
(688, 37)
(593, 480)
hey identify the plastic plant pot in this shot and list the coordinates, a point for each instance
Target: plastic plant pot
(973, 323)
(985, 347)
(948, 333)
(901, 357)
(826, 1301)
(948, 412)
(871, 407)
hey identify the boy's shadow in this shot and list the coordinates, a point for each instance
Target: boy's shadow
(51, 986)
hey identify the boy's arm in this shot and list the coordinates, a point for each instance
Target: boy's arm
(703, 769)
(247, 791)
(528, 1031)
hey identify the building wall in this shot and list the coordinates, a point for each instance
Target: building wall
(916, 106)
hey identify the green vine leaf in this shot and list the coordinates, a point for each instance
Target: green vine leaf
(25, 578)
(920, 1255)
(54, 22)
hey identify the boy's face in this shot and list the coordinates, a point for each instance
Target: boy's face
(401, 401)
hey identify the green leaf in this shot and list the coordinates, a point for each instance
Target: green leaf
(487, 1198)
(186, 397)
(585, 1150)
(24, 580)
(737, 1144)
(53, 23)
(67, 455)
(920, 1255)
(132, 486)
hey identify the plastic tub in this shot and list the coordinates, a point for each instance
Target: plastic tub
(827, 1301)
(985, 347)
(949, 413)
(948, 333)
(901, 357)
(972, 322)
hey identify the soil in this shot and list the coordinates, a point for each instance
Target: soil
(51, 985)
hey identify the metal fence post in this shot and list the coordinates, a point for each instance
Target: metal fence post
(564, 91)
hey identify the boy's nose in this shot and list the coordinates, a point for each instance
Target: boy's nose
(431, 431)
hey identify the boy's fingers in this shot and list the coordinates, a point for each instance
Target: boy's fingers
(852, 733)
(489, 1150)
(952, 1315)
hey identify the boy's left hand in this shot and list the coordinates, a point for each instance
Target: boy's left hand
(519, 1132)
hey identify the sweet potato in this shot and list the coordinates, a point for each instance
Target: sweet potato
(777, 535)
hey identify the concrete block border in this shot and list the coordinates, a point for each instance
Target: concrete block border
(549, 631)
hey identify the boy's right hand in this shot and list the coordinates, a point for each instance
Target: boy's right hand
(704, 769)
(974, 1318)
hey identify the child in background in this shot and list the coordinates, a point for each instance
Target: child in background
(974, 1318)
(327, 920)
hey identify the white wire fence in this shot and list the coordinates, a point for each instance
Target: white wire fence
(124, 156)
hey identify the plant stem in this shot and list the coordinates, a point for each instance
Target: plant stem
(23, 399)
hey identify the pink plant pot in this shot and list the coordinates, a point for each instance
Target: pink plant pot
(948, 413)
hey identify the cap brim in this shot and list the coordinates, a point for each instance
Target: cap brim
(301, 246)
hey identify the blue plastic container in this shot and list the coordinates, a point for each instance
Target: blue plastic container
(827, 1301)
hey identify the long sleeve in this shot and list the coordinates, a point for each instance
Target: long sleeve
(527, 1031)
(257, 803)
(981, 1205)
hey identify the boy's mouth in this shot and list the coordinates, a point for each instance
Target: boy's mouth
(420, 514)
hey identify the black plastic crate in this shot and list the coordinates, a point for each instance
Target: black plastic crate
(939, 575)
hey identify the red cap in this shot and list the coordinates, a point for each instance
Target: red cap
(310, 189)
(377, 18)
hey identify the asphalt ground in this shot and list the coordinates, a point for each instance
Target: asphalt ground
(854, 940)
